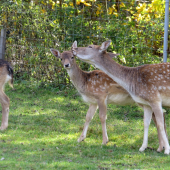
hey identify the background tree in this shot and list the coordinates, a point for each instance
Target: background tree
(34, 26)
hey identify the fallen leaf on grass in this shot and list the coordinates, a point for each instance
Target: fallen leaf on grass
(110, 151)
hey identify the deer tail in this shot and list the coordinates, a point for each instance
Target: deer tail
(10, 73)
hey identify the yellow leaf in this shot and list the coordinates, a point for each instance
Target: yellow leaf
(87, 4)
(129, 18)
(116, 14)
(4, 16)
(110, 10)
(43, 2)
(71, 4)
(78, 2)
(141, 7)
(65, 5)
(97, 12)
(43, 10)
(99, 7)
(122, 4)
(52, 3)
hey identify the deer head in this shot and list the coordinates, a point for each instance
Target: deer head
(92, 53)
(67, 58)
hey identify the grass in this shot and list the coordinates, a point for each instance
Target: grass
(44, 125)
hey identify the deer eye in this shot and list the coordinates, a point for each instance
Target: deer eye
(72, 57)
(61, 59)
(90, 46)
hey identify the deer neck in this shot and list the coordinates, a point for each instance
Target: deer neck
(124, 76)
(76, 76)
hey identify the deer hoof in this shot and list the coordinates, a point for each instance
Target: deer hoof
(3, 127)
(160, 149)
(142, 149)
(166, 152)
(105, 142)
(81, 139)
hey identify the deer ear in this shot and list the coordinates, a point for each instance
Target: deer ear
(105, 45)
(74, 44)
(55, 52)
(112, 55)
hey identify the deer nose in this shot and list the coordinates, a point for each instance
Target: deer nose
(66, 65)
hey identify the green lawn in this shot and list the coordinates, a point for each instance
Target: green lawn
(44, 125)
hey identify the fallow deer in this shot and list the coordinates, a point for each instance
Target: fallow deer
(96, 88)
(6, 75)
(148, 85)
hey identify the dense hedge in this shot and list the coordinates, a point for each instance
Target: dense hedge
(33, 27)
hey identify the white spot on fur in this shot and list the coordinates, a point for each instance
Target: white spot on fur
(160, 88)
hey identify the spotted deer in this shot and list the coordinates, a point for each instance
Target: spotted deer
(148, 85)
(6, 75)
(96, 88)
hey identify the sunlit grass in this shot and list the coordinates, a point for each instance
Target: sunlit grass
(44, 125)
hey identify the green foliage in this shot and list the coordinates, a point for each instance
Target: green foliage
(33, 27)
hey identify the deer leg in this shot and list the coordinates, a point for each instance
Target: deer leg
(163, 140)
(165, 125)
(89, 116)
(147, 120)
(159, 137)
(160, 141)
(5, 110)
(102, 114)
(165, 128)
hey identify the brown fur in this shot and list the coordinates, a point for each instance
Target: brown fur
(96, 88)
(148, 85)
(6, 75)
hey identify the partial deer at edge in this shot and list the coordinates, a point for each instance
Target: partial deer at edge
(96, 88)
(6, 75)
(148, 85)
